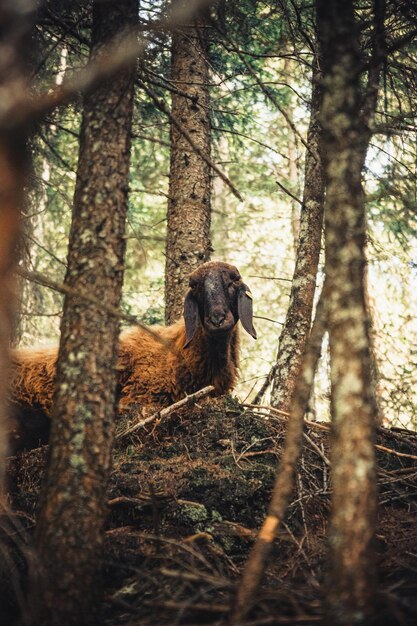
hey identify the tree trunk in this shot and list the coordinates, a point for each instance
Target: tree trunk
(11, 184)
(351, 566)
(296, 329)
(14, 31)
(189, 212)
(68, 535)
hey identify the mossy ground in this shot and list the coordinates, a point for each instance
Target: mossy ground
(186, 498)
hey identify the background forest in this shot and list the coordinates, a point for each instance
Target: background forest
(260, 59)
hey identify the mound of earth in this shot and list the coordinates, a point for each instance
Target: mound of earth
(186, 497)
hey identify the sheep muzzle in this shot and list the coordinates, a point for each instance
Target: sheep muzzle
(219, 322)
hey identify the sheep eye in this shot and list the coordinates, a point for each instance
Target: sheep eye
(235, 277)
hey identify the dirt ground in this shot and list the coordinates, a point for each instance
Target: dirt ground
(186, 497)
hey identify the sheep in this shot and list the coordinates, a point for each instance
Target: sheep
(199, 350)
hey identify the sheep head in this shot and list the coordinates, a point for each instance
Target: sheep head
(217, 299)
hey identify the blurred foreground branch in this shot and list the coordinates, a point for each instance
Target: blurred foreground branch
(21, 108)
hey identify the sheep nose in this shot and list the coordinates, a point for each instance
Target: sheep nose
(217, 319)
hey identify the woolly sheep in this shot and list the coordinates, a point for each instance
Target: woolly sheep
(202, 349)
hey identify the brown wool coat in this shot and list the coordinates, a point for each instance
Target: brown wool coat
(149, 371)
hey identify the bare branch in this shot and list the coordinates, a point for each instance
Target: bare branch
(268, 319)
(268, 380)
(289, 193)
(160, 104)
(255, 566)
(40, 279)
(235, 132)
(270, 97)
(187, 401)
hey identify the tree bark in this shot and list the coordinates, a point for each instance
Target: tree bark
(11, 185)
(14, 41)
(296, 329)
(351, 580)
(189, 211)
(68, 534)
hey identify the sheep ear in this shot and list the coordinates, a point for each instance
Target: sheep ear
(244, 308)
(190, 317)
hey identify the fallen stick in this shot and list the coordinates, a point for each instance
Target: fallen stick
(191, 399)
(281, 415)
(391, 451)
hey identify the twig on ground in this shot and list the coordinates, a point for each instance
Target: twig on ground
(283, 416)
(317, 449)
(191, 606)
(191, 399)
(401, 454)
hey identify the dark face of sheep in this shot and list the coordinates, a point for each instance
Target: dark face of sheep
(217, 298)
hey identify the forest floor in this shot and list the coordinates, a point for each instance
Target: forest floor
(187, 497)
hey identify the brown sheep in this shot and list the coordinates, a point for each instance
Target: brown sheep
(202, 349)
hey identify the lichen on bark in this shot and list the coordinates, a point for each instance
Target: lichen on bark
(68, 534)
(296, 328)
(351, 578)
(189, 205)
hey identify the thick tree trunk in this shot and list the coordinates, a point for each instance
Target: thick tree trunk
(68, 536)
(189, 211)
(296, 329)
(351, 567)
(14, 31)
(11, 185)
